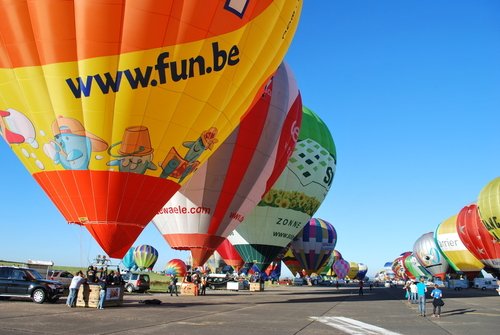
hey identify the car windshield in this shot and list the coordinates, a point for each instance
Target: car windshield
(34, 274)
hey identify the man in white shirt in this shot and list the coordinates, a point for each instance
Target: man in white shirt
(76, 282)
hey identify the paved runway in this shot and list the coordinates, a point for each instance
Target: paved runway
(278, 310)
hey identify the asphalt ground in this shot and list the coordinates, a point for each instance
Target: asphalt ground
(278, 310)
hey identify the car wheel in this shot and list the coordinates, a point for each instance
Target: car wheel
(129, 289)
(39, 296)
(212, 287)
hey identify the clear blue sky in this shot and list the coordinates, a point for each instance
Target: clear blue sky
(411, 93)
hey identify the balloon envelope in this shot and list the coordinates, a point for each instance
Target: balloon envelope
(232, 182)
(176, 268)
(128, 260)
(341, 268)
(476, 238)
(488, 204)
(427, 253)
(293, 199)
(414, 269)
(314, 244)
(145, 256)
(230, 255)
(292, 262)
(112, 105)
(363, 269)
(455, 252)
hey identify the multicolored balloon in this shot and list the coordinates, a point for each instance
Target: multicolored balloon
(336, 255)
(145, 256)
(477, 240)
(292, 262)
(398, 266)
(488, 204)
(293, 199)
(314, 245)
(176, 268)
(455, 252)
(341, 268)
(112, 105)
(414, 270)
(224, 190)
(428, 255)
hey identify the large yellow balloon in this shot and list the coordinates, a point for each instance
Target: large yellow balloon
(111, 104)
(488, 205)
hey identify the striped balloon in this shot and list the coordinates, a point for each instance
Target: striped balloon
(145, 256)
(314, 245)
(176, 268)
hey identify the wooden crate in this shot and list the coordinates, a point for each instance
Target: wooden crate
(189, 289)
(88, 296)
(256, 287)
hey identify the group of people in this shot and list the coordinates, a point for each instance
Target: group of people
(101, 278)
(415, 293)
(199, 281)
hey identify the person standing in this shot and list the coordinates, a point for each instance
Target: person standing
(421, 289)
(407, 290)
(360, 287)
(102, 294)
(173, 286)
(437, 301)
(91, 275)
(76, 282)
(203, 285)
(413, 292)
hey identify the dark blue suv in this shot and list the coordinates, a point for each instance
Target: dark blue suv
(28, 283)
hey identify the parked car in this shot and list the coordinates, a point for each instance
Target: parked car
(136, 282)
(64, 277)
(218, 281)
(485, 283)
(28, 283)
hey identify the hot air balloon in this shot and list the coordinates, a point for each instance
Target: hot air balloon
(398, 266)
(176, 268)
(230, 255)
(112, 105)
(477, 240)
(488, 204)
(128, 261)
(427, 253)
(363, 270)
(353, 270)
(336, 255)
(225, 190)
(341, 268)
(414, 269)
(292, 262)
(314, 244)
(327, 268)
(145, 256)
(455, 252)
(293, 199)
